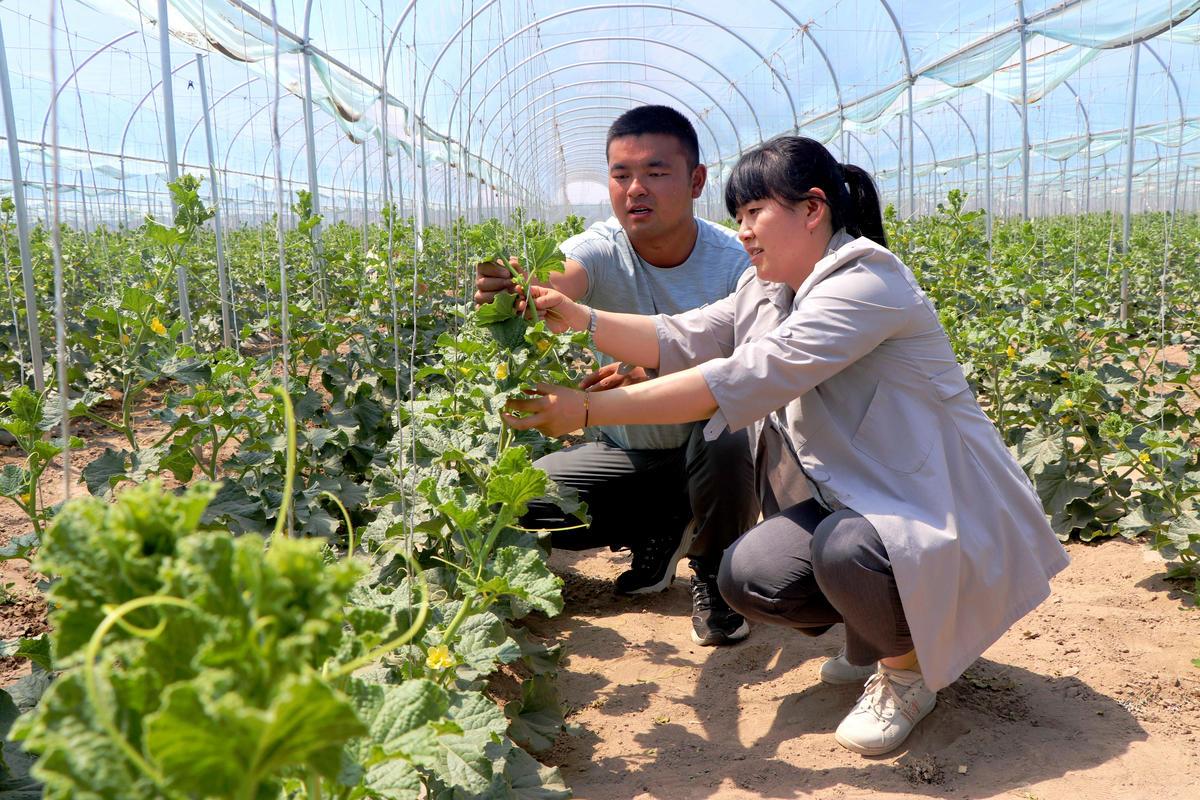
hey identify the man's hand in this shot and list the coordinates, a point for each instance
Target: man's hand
(492, 277)
(610, 376)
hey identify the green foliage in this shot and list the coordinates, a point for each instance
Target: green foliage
(1098, 412)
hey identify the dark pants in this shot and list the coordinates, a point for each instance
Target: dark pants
(809, 569)
(631, 492)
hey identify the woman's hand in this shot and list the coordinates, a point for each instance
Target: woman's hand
(553, 410)
(559, 311)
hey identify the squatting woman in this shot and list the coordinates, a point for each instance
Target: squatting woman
(890, 502)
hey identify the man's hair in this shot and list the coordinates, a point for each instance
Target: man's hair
(657, 119)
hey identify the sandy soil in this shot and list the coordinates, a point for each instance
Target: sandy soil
(1093, 695)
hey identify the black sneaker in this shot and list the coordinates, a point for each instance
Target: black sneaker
(714, 623)
(653, 566)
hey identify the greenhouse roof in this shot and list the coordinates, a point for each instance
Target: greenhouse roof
(512, 99)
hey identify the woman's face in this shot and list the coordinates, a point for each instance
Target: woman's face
(784, 242)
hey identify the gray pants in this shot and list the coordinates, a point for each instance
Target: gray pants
(809, 569)
(630, 492)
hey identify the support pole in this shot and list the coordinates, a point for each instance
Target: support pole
(14, 162)
(218, 222)
(1024, 114)
(164, 53)
(311, 151)
(912, 162)
(987, 169)
(1127, 223)
(365, 243)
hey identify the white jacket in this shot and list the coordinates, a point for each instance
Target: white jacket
(877, 411)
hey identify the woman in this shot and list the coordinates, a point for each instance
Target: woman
(889, 501)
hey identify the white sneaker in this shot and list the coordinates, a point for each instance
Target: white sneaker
(891, 705)
(838, 671)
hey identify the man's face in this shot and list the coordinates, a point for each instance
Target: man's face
(650, 184)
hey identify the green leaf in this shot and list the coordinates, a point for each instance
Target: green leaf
(234, 507)
(525, 576)
(37, 650)
(105, 472)
(540, 657)
(537, 718)
(525, 779)
(510, 333)
(514, 481)
(499, 310)
(14, 481)
(483, 643)
(1039, 448)
(1057, 488)
(21, 546)
(137, 300)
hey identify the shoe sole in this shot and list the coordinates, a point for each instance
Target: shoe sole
(856, 681)
(731, 638)
(879, 751)
(685, 541)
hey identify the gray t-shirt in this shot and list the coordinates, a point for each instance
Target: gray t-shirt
(620, 280)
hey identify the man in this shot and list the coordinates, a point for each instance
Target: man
(660, 491)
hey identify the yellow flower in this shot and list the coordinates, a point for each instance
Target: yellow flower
(1012, 352)
(1068, 403)
(157, 326)
(543, 345)
(501, 371)
(1035, 303)
(439, 657)
(464, 370)
(25, 498)
(1065, 374)
(1064, 419)
(125, 339)
(1144, 458)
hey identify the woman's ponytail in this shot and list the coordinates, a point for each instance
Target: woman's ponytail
(786, 168)
(862, 217)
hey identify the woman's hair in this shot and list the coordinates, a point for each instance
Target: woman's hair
(787, 167)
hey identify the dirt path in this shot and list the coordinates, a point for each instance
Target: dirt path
(1093, 695)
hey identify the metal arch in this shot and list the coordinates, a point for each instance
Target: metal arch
(496, 142)
(932, 152)
(233, 140)
(866, 151)
(539, 171)
(837, 86)
(605, 6)
(737, 137)
(605, 106)
(351, 71)
(138, 108)
(1182, 117)
(459, 93)
(1087, 130)
(271, 149)
(544, 20)
(212, 108)
(702, 121)
(292, 168)
(967, 125)
(71, 77)
(912, 180)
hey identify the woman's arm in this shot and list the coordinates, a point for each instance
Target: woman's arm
(557, 410)
(631, 338)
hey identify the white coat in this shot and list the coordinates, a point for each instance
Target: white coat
(877, 412)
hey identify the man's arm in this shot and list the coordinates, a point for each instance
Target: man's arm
(491, 278)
